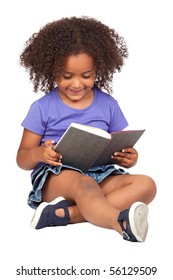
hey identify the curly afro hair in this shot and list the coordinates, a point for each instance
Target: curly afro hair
(45, 52)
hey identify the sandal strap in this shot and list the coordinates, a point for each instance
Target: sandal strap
(64, 204)
(49, 218)
(126, 232)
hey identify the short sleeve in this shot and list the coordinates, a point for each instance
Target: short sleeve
(34, 120)
(118, 121)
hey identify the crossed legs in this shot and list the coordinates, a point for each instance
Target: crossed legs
(99, 204)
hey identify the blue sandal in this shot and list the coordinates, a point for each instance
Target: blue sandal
(45, 216)
(136, 222)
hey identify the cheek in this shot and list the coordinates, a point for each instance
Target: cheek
(89, 83)
(62, 84)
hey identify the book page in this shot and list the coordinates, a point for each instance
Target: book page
(93, 130)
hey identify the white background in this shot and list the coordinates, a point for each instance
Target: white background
(143, 90)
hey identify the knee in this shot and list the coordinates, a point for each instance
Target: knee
(87, 184)
(150, 188)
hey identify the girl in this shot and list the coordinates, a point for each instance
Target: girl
(73, 60)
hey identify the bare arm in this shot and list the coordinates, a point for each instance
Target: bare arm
(30, 153)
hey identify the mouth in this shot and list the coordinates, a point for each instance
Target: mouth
(76, 91)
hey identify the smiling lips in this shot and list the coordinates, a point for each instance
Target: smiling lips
(75, 91)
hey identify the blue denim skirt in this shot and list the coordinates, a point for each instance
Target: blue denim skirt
(98, 173)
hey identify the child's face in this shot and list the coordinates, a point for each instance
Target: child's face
(78, 77)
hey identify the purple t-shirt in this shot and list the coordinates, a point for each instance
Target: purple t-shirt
(49, 116)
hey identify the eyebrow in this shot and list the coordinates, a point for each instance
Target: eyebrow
(85, 72)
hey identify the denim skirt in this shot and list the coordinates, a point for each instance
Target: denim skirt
(38, 178)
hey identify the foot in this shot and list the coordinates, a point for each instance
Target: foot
(45, 216)
(133, 222)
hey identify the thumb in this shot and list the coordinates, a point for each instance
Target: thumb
(49, 143)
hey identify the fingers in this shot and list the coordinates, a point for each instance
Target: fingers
(126, 158)
(49, 144)
(50, 156)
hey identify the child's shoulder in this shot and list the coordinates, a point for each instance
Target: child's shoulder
(48, 95)
(104, 97)
(47, 98)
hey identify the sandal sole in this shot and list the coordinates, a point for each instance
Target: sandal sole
(138, 214)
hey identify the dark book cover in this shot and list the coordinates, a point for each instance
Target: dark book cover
(119, 141)
(80, 148)
(83, 149)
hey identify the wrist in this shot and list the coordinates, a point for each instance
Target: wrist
(35, 155)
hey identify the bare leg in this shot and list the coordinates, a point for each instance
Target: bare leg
(87, 194)
(121, 191)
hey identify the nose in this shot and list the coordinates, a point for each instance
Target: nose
(76, 82)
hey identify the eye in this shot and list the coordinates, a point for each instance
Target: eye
(86, 77)
(67, 77)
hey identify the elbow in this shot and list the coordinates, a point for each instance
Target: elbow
(22, 163)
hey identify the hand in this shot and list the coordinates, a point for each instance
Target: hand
(126, 158)
(48, 155)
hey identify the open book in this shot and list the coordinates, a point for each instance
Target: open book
(83, 146)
